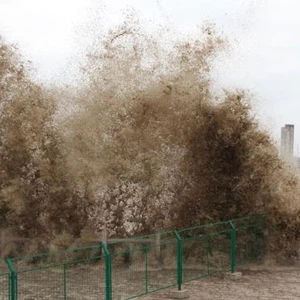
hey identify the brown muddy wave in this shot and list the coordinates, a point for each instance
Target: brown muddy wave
(140, 145)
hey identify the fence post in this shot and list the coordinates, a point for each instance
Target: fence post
(108, 275)
(65, 281)
(12, 279)
(207, 255)
(145, 250)
(233, 247)
(179, 259)
(256, 243)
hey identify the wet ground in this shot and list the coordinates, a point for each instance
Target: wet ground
(261, 284)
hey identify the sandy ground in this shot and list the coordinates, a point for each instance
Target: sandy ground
(263, 284)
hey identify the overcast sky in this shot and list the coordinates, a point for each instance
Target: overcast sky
(264, 59)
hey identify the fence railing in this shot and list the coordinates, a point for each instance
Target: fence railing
(129, 268)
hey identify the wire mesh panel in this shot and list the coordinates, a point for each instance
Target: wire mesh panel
(246, 245)
(40, 284)
(142, 265)
(161, 266)
(206, 250)
(195, 258)
(219, 247)
(73, 274)
(4, 286)
(4, 281)
(129, 273)
(250, 240)
(85, 279)
(39, 276)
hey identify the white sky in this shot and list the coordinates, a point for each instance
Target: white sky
(265, 59)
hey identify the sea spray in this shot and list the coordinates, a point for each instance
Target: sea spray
(143, 146)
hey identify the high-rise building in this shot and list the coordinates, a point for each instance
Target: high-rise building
(287, 142)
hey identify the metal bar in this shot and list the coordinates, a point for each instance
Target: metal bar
(65, 282)
(25, 257)
(147, 279)
(233, 247)
(179, 259)
(12, 279)
(207, 255)
(9, 287)
(16, 286)
(208, 225)
(108, 275)
(256, 244)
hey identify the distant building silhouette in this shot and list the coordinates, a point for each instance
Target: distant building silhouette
(297, 163)
(287, 142)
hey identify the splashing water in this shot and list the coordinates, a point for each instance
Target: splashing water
(142, 145)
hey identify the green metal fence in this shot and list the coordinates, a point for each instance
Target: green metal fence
(206, 250)
(72, 274)
(137, 265)
(4, 281)
(129, 268)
